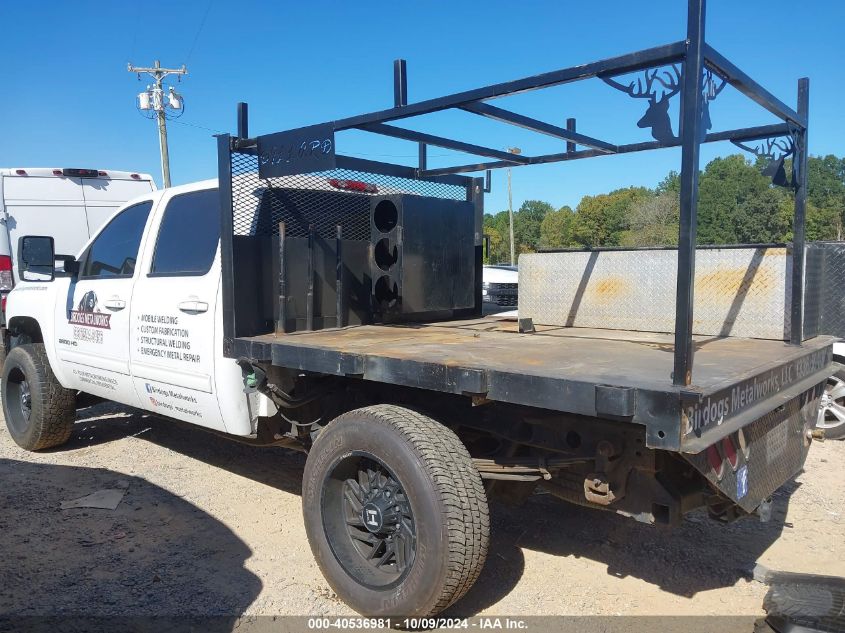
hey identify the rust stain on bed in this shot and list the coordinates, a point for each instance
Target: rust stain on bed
(610, 287)
(725, 284)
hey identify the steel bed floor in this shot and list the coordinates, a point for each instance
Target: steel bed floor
(555, 368)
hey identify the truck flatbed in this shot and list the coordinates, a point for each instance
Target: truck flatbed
(616, 373)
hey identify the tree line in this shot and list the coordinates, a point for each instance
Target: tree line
(737, 205)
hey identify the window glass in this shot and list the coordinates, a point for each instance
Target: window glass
(188, 235)
(115, 250)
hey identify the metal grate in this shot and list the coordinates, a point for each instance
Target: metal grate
(503, 294)
(300, 201)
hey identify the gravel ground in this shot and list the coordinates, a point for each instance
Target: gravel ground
(211, 527)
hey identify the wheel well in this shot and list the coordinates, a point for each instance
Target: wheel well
(24, 330)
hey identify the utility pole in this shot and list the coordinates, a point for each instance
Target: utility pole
(512, 150)
(154, 99)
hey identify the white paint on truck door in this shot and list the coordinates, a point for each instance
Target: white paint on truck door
(93, 322)
(173, 311)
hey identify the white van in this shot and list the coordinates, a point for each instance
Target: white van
(69, 204)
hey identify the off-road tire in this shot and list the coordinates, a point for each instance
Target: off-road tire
(52, 407)
(446, 497)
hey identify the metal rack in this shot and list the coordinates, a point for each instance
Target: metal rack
(697, 72)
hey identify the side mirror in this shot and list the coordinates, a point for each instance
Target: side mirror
(36, 258)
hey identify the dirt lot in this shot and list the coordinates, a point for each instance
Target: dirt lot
(211, 527)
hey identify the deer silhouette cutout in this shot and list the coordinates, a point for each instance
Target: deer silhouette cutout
(710, 92)
(776, 151)
(656, 116)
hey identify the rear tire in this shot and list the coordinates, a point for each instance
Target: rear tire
(39, 412)
(395, 512)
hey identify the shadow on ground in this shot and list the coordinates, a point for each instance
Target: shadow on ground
(155, 554)
(700, 555)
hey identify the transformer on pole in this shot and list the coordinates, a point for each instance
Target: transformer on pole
(155, 100)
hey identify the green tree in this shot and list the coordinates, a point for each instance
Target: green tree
(653, 221)
(826, 182)
(526, 225)
(601, 220)
(670, 184)
(496, 227)
(556, 228)
(737, 204)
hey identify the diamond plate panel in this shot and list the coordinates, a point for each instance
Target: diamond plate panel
(738, 291)
(748, 466)
(825, 288)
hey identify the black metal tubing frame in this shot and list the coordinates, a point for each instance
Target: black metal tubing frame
(696, 56)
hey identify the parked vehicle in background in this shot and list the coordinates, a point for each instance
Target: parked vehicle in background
(832, 407)
(500, 288)
(69, 204)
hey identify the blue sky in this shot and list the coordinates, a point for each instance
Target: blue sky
(69, 101)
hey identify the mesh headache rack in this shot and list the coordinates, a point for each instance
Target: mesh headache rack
(295, 181)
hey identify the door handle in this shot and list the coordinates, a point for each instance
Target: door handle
(193, 306)
(115, 304)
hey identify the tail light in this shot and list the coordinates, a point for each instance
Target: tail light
(717, 464)
(730, 452)
(353, 185)
(6, 281)
(74, 172)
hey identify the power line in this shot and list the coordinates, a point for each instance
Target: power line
(199, 30)
(200, 127)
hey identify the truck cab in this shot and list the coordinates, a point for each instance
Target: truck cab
(137, 320)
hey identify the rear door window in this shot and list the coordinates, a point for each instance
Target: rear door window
(188, 235)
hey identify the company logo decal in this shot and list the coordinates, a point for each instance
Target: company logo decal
(87, 313)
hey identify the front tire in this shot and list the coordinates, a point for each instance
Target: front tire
(39, 412)
(395, 512)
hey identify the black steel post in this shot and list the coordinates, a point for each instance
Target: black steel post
(281, 324)
(796, 330)
(570, 126)
(690, 126)
(400, 83)
(475, 194)
(423, 162)
(339, 277)
(243, 120)
(309, 294)
(224, 179)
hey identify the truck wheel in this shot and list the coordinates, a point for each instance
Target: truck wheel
(832, 407)
(395, 512)
(39, 412)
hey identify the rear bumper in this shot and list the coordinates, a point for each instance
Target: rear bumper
(750, 464)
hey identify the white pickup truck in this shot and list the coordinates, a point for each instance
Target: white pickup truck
(409, 427)
(136, 324)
